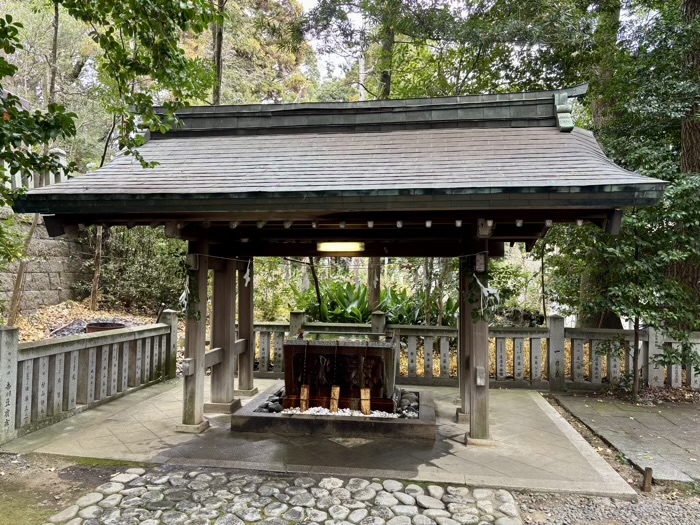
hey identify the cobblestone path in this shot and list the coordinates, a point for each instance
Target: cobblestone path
(218, 497)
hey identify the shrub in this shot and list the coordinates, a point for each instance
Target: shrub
(140, 270)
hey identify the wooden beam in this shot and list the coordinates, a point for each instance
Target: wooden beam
(372, 249)
(363, 234)
(213, 357)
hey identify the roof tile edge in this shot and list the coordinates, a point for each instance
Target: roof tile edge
(536, 109)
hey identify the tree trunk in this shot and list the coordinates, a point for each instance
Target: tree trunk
(217, 30)
(605, 42)
(602, 112)
(542, 278)
(688, 272)
(385, 62)
(374, 282)
(53, 65)
(21, 271)
(444, 264)
(690, 130)
(312, 265)
(428, 286)
(96, 275)
(374, 270)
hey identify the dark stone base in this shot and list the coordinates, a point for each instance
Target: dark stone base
(246, 419)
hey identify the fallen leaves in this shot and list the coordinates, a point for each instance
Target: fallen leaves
(40, 324)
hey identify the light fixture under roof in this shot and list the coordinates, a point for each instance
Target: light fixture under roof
(345, 247)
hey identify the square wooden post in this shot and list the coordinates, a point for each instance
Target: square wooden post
(296, 323)
(479, 361)
(223, 335)
(479, 382)
(168, 317)
(195, 341)
(463, 342)
(246, 360)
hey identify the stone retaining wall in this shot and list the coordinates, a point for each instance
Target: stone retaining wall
(55, 265)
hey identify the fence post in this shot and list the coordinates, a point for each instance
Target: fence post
(378, 324)
(169, 317)
(296, 323)
(9, 340)
(656, 374)
(555, 353)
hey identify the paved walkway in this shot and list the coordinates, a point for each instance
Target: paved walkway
(665, 437)
(533, 447)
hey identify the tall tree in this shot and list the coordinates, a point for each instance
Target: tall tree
(40, 178)
(22, 133)
(690, 131)
(142, 60)
(217, 37)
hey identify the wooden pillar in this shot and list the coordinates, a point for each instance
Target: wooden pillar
(195, 340)
(474, 353)
(246, 360)
(479, 382)
(223, 335)
(464, 341)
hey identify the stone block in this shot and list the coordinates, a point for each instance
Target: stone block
(37, 282)
(7, 281)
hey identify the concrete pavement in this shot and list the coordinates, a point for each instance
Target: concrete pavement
(533, 448)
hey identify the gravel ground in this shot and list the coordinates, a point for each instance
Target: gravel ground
(657, 509)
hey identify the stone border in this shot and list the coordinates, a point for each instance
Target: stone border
(246, 419)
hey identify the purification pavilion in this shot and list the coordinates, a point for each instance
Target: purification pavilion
(441, 177)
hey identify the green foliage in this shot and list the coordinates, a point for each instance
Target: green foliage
(273, 294)
(650, 270)
(258, 65)
(22, 134)
(141, 269)
(142, 60)
(76, 85)
(21, 130)
(344, 302)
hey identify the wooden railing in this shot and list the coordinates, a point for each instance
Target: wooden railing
(46, 381)
(554, 358)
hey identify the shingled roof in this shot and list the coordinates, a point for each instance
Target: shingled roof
(499, 153)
